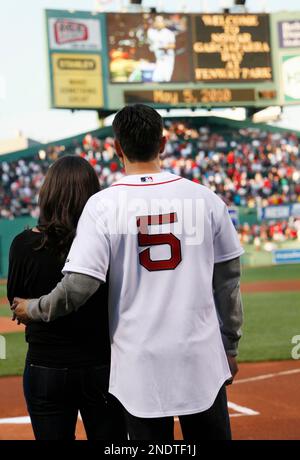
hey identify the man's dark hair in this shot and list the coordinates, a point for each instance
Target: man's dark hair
(139, 129)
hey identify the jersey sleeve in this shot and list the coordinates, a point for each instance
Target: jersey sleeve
(90, 251)
(226, 242)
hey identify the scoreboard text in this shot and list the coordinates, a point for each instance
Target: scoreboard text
(233, 47)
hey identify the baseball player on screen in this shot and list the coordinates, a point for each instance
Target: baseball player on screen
(174, 272)
(162, 44)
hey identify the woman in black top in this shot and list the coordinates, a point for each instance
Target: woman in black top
(67, 365)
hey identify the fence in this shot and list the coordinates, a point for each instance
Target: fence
(8, 230)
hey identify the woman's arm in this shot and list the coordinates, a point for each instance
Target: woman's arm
(15, 278)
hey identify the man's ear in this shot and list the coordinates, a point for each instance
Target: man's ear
(162, 144)
(119, 151)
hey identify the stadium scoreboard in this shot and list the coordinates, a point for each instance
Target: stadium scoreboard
(103, 61)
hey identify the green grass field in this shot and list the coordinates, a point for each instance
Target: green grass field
(272, 273)
(271, 320)
(15, 345)
(15, 354)
(4, 309)
(2, 290)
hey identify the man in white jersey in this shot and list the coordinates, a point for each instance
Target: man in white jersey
(175, 307)
(162, 44)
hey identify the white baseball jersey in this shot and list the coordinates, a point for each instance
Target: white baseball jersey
(159, 235)
(165, 57)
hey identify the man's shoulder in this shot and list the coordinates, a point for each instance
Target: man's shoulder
(200, 189)
(106, 192)
(100, 203)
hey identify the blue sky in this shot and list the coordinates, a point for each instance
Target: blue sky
(24, 86)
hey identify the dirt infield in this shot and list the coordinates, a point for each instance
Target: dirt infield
(7, 325)
(271, 286)
(272, 390)
(264, 403)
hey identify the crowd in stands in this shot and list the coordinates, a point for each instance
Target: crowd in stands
(274, 231)
(246, 167)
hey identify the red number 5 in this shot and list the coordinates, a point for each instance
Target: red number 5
(144, 239)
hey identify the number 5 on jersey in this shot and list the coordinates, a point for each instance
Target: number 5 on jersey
(146, 239)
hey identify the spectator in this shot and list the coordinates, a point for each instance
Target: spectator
(246, 167)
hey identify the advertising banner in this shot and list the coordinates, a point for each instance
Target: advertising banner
(74, 34)
(291, 77)
(289, 34)
(279, 212)
(286, 256)
(77, 80)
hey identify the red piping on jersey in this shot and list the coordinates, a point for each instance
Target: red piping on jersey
(145, 185)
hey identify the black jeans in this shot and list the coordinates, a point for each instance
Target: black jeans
(54, 397)
(212, 424)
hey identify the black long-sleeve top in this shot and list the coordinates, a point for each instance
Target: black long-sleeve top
(79, 339)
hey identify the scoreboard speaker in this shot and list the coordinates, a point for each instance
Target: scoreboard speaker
(136, 2)
(239, 2)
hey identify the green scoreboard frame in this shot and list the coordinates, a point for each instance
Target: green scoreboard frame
(80, 55)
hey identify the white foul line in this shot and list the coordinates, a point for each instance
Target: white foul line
(266, 376)
(241, 410)
(20, 420)
(15, 420)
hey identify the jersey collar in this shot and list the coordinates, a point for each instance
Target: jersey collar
(147, 179)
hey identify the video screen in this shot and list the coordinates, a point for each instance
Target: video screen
(231, 47)
(150, 48)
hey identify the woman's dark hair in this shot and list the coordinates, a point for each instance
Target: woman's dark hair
(68, 185)
(139, 130)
